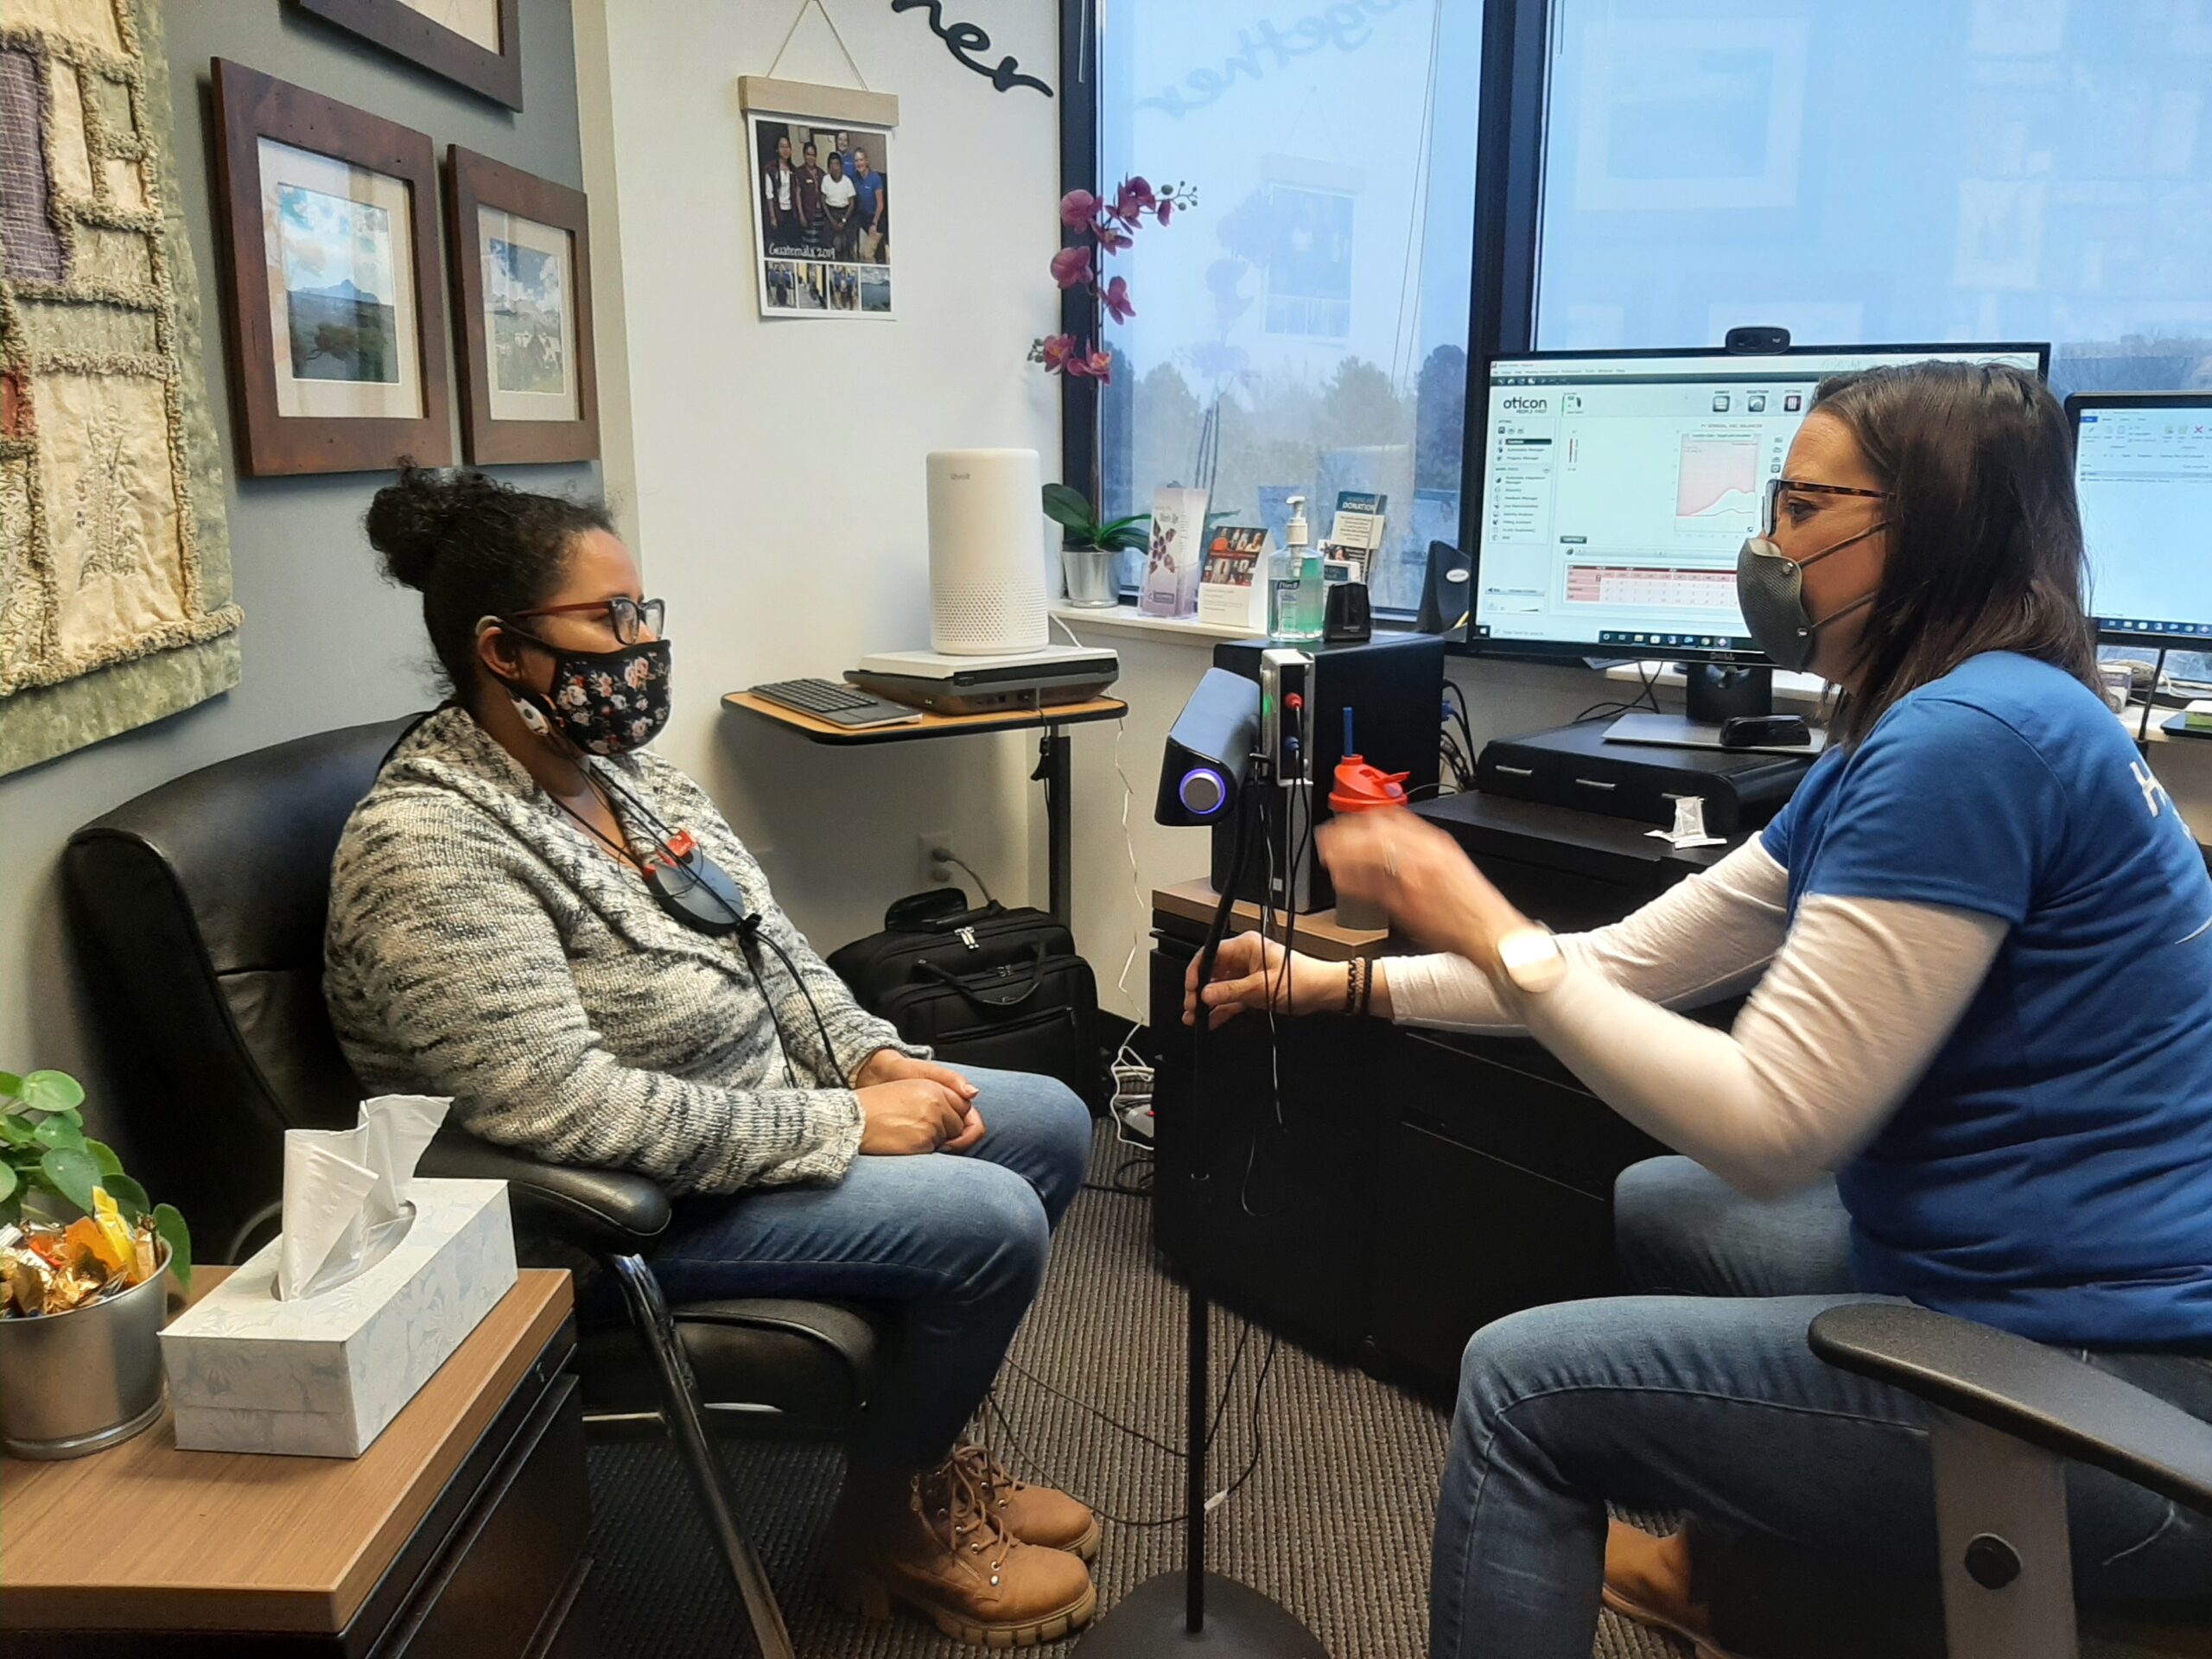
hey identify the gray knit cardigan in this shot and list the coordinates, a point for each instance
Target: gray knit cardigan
(481, 945)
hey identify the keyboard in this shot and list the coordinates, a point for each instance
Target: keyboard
(838, 705)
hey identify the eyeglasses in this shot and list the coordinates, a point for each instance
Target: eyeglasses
(630, 619)
(1778, 488)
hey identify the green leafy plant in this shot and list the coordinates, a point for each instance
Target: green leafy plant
(1068, 507)
(45, 1156)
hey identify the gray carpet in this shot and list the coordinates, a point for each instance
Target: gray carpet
(1333, 1521)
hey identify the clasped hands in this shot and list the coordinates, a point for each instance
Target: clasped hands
(1410, 869)
(910, 1106)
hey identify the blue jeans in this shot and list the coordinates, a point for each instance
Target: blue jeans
(1704, 1395)
(957, 1244)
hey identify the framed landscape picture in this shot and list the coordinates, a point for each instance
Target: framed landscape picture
(522, 287)
(338, 359)
(475, 42)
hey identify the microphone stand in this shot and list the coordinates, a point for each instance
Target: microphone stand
(1196, 1609)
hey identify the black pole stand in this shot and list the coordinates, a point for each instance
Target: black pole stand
(1195, 1608)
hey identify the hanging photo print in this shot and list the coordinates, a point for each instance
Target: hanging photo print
(822, 204)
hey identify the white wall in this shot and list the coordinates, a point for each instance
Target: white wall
(773, 482)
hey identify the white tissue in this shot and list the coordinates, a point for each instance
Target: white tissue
(346, 1193)
(1689, 824)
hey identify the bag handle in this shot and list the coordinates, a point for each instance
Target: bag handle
(983, 1004)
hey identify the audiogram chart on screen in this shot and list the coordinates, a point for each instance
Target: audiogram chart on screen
(1719, 479)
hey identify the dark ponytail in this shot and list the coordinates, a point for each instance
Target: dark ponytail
(474, 548)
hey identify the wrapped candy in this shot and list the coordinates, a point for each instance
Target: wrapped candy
(49, 1267)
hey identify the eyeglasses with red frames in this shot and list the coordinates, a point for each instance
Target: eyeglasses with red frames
(1778, 488)
(630, 619)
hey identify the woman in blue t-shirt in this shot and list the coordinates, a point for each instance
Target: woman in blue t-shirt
(1975, 1072)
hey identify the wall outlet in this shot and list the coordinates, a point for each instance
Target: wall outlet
(935, 870)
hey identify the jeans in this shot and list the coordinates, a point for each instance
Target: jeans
(957, 1244)
(1703, 1395)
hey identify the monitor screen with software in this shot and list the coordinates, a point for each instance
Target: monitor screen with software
(1617, 488)
(2143, 470)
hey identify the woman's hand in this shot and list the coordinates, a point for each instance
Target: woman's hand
(1417, 872)
(914, 1115)
(888, 1065)
(1249, 972)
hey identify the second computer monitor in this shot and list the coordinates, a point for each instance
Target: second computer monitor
(2143, 469)
(1617, 488)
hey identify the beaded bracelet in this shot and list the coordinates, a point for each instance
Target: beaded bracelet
(1351, 988)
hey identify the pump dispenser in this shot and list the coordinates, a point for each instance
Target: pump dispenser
(1296, 594)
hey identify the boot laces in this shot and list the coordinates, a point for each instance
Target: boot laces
(993, 1478)
(958, 1508)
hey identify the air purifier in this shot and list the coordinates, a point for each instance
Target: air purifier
(987, 553)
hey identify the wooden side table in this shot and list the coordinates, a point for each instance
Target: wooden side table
(1052, 760)
(463, 1531)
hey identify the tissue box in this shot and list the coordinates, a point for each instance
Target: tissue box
(322, 1377)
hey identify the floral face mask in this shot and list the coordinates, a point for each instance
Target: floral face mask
(604, 701)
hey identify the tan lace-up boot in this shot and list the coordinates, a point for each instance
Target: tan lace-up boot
(1651, 1581)
(953, 1559)
(1036, 1514)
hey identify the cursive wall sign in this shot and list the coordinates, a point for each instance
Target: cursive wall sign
(965, 40)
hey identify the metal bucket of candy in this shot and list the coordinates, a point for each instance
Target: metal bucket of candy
(87, 1375)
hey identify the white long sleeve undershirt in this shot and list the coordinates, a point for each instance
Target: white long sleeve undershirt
(1857, 997)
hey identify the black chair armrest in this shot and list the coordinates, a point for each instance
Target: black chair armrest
(598, 1208)
(2035, 1394)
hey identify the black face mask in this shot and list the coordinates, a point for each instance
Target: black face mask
(603, 702)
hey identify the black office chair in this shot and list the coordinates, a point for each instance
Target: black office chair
(200, 907)
(2010, 1414)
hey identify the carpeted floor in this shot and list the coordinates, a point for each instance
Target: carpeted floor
(1333, 1520)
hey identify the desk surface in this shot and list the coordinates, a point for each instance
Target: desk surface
(144, 1536)
(1010, 720)
(1318, 935)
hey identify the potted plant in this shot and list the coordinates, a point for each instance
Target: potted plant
(1090, 548)
(1093, 228)
(79, 1236)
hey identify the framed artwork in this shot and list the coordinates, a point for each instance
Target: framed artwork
(337, 323)
(522, 287)
(822, 198)
(475, 42)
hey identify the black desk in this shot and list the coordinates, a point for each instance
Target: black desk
(1418, 1184)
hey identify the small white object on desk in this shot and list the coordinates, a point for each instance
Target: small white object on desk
(1689, 824)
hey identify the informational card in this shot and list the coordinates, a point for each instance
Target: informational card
(1233, 591)
(1359, 519)
(1172, 568)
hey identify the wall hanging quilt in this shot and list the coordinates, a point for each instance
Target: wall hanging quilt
(115, 579)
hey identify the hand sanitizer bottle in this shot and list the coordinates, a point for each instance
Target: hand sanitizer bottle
(1296, 599)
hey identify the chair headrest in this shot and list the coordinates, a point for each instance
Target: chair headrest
(245, 843)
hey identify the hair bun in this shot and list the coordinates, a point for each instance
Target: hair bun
(411, 522)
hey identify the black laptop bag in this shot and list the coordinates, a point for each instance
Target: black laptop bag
(986, 987)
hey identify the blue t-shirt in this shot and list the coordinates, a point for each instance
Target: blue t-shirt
(2051, 1174)
(869, 187)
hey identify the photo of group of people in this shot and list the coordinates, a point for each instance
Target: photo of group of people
(822, 199)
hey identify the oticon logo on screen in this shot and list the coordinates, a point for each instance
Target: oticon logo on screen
(1526, 405)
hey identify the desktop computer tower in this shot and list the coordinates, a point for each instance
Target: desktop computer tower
(1394, 685)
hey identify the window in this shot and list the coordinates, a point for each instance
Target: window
(1889, 170)
(1886, 171)
(1304, 331)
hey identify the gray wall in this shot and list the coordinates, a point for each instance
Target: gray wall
(326, 642)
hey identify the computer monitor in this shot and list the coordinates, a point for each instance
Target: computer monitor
(1617, 488)
(2143, 470)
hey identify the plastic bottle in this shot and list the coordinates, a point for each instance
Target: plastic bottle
(1296, 594)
